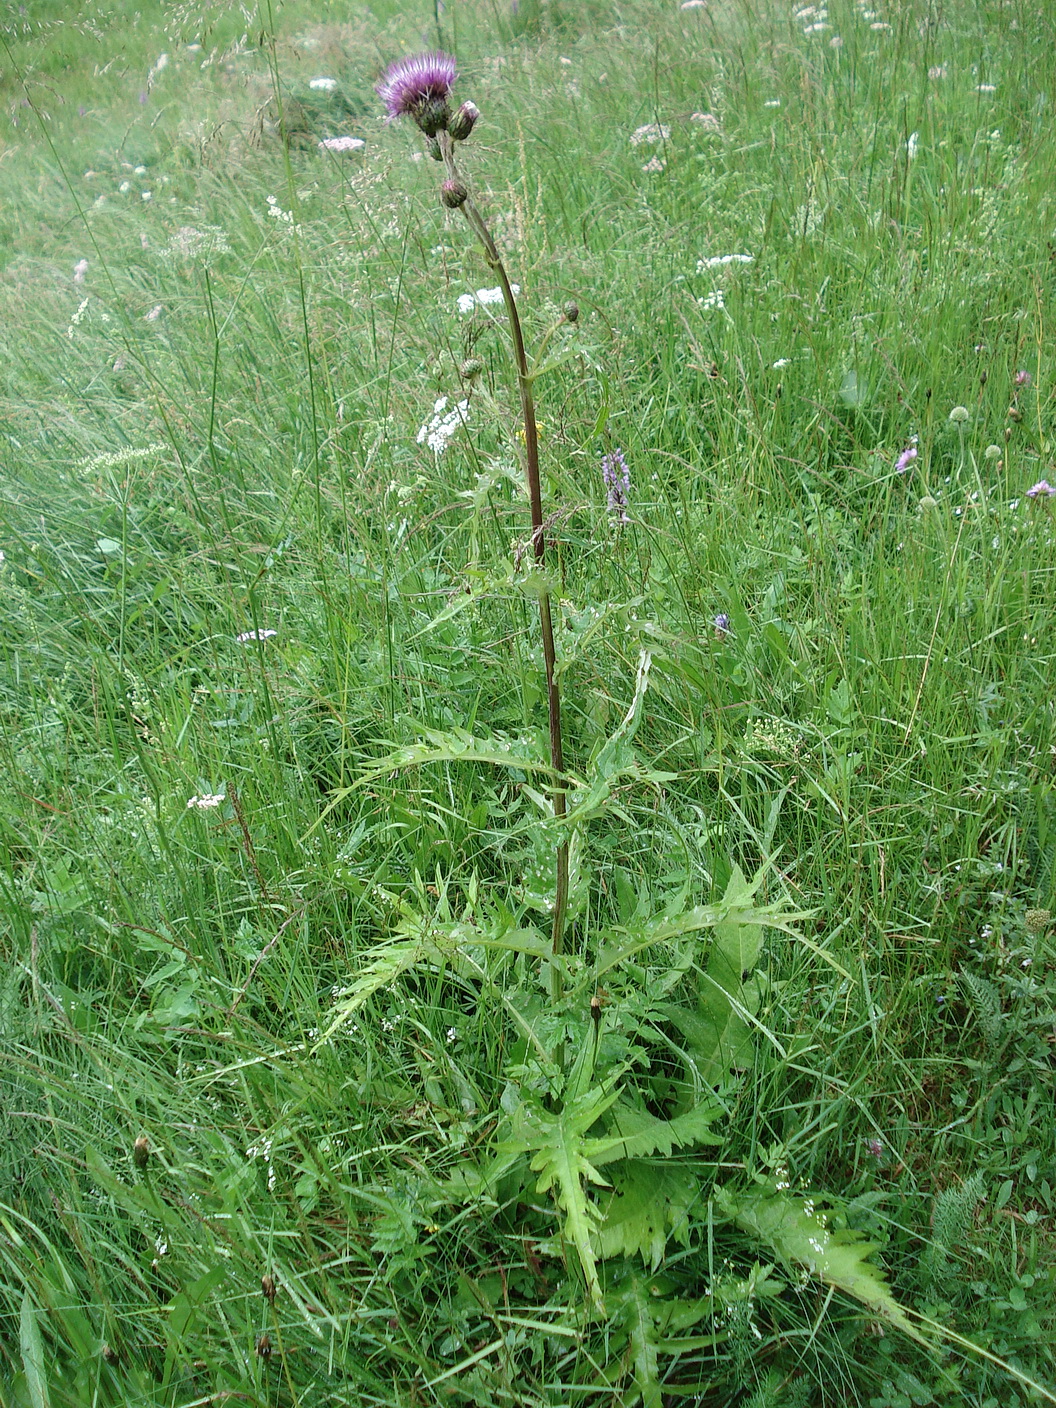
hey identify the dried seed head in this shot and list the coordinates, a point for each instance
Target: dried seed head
(268, 1286)
(141, 1151)
(264, 1347)
(471, 368)
(453, 194)
(1038, 920)
(571, 312)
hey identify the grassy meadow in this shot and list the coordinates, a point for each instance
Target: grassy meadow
(297, 1105)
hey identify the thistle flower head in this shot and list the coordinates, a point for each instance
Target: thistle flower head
(420, 87)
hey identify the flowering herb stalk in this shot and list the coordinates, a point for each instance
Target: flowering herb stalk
(420, 88)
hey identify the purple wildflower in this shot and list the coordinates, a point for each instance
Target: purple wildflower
(875, 1147)
(420, 87)
(617, 479)
(906, 458)
(721, 624)
(1022, 379)
(1041, 487)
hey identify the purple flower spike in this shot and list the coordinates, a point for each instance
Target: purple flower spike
(420, 87)
(617, 479)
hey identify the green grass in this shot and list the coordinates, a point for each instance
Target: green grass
(215, 433)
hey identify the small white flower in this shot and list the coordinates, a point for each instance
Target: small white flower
(155, 313)
(146, 195)
(879, 25)
(912, 143)
(654, 164)
(452, 1034)
(140, 170)
(206, 801)
(79, 271)
(652, 132)
(323, 85)
(772, 103)
(713, 300)
(781, 362)
(342, 144)
(707, 120)
(125, 187)
(255, 635)
(986, 88)
(694, 4)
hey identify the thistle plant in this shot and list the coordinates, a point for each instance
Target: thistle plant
(420, 88)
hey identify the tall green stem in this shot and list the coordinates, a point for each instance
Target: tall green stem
(535, 497)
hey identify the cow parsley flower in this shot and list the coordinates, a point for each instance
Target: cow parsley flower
(323, 85)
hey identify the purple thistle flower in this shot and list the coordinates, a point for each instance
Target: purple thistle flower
(420, 87)
(722, 625)
(1022, 379)
(1041, 487)
(617, 479)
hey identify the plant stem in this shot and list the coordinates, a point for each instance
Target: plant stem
(535, 497)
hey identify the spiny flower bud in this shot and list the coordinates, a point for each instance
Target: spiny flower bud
(463, 122)
(471, 368)
(432, 146)
(141, 1151)
(453, 194)
(571, 312)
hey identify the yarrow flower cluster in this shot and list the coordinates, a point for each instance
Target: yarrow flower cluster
(483, 296)
(720, 261)
(437, 432)
(617, 477)
(206, 802)
(323, 85)
(341, 145)
(652, 132)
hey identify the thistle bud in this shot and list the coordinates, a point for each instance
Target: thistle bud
(471, 368)
(432, 146)
(463, 122)
(141, 1151)
(571, 312)
(453, 194)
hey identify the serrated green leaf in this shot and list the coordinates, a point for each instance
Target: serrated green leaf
(650, 1204)
(799, 1234)
(635, 1134)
